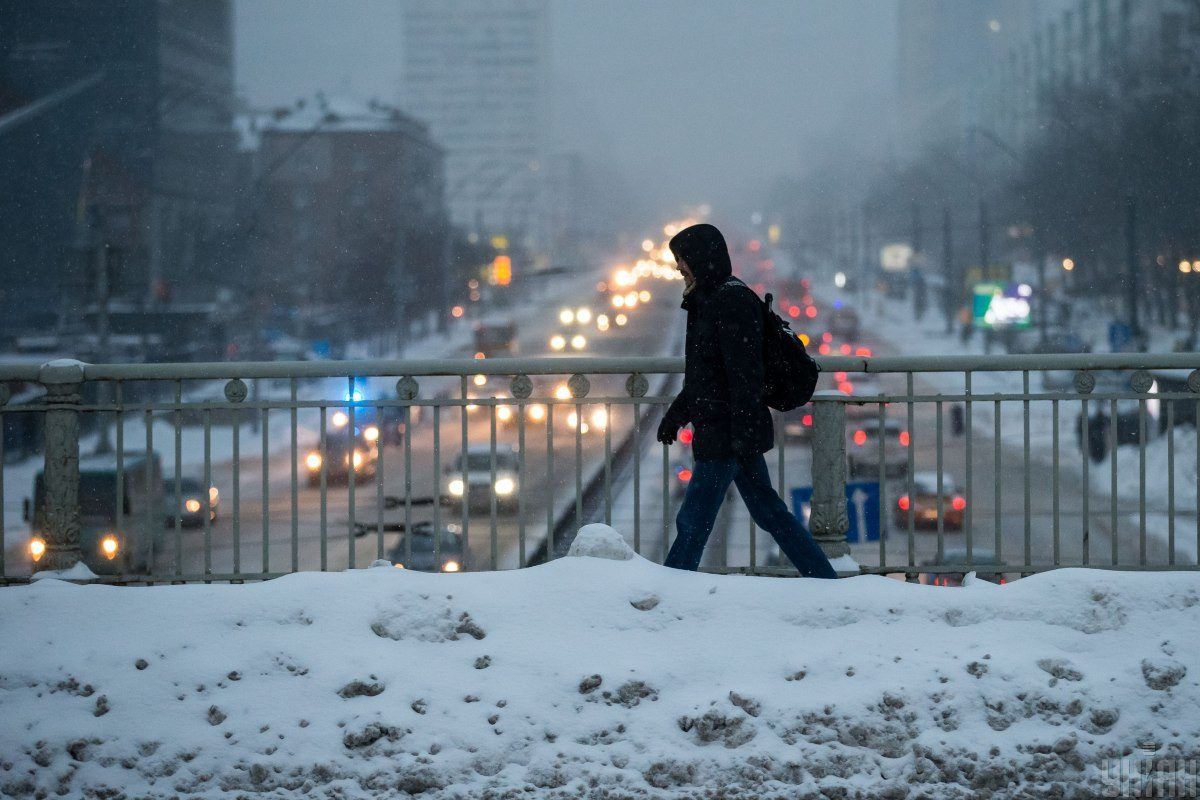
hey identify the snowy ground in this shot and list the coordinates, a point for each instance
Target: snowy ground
(593, 677)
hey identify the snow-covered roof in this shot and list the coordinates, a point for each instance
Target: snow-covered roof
(327, 114)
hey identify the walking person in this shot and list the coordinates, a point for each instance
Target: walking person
(723, 399)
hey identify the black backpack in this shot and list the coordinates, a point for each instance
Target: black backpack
(789, 372)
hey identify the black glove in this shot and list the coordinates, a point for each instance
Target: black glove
(667, 430)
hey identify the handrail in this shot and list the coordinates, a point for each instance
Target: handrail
(559, 365)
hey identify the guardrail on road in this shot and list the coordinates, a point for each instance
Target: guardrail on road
(431, 452)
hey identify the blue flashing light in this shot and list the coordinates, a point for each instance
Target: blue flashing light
(837, 303)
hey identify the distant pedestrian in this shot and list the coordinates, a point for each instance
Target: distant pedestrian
(722, 397)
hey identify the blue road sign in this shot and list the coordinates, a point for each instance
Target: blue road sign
(862, 507)
(1120, 337)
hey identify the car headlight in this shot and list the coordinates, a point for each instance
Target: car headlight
(37, 549)
(213, 495)
(192, 505)
(504, 413)
(567, 316)
(600, 418)
(578, 341)
(313, 461)
(451, 566)
(584, 315)
(562, 392)
(358, 459)
(398, 565)
(505, 486)
(340, 419)
(109, 546)
(371, 433)
(537, 412)
(557, 342)
(456, 487)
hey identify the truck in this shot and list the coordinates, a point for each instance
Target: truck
(496, 338)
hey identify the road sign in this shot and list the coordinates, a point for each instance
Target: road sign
(862, 507)
(1120, 337)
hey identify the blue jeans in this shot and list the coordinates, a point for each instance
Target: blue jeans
(702, 501)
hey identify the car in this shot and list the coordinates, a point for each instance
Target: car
(922, 504)
(417, 550)
(987, 567)
(189, 505)
(862, 448)
(798, 423)
(843, 323)
(469, 478)
(340, 448)
(113, 539)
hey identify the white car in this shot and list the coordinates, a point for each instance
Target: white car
(862, 448)
(470, 478)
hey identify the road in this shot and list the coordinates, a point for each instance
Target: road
(294, 535)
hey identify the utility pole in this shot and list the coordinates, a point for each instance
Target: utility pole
(949, 292)
(103, 296)
(1131, 256)
(1043, 297)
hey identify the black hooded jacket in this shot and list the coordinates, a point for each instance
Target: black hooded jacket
(722, 395)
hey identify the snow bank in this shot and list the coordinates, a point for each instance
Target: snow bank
(597, 678)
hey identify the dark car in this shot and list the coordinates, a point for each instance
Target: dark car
(190, 505)
(986, 567)
(421, 555)
(340, 450)
(843, 323)
(923, 503)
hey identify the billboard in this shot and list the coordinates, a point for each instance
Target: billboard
(996, 305)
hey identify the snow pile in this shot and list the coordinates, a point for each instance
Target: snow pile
(598, 678)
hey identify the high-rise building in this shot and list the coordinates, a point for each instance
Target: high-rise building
(125, 146)
(477, 72)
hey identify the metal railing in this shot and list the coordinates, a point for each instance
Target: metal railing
(246, 471)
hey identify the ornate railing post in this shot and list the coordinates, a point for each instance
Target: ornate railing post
(828, 519)
(60, 510)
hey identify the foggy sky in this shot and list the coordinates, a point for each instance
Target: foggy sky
(692, 101)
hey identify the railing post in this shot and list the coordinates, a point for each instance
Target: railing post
(828, 520)
(60, 510)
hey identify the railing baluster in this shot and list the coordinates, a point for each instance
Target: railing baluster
(3, 568)
(550, 479)
(465, 515)
(266, 491)
(437, 491)
(1112, 454)
(969, 493)
(1142, 481)
(608, 425)
(178, 517)
(1085, 451)
(150, 476)
(495, 548)
(637, 480)
(997, 517)
(578, 465)
(521, 482)
(351, 470)
(666, 509)
(912, 458)
(882, 413)
(293, 395)
(237, 491)
(408, 483)
(206, 493)
(120, 421)
(1171, 482)
(378, 444)
(1196, 424)
(1054, 526)
(323, 482)
(1027, 471)
(941, 504)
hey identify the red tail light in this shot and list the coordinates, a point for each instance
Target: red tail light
(904, 438)
(1002, 581)
(823, 349)
(807, 299)
(845, 349)
(793, 311)
(684, 475)
(903, 502)
(839, 376)
(959, 503)
(860, 437)
(811, 312)
(685, 436)
(846, 387)
(807, 420)
(805, 282)
(865, 352)
(827, 337)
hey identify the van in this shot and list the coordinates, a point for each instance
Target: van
(110, 543)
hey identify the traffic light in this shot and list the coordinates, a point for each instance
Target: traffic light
(502, 270)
